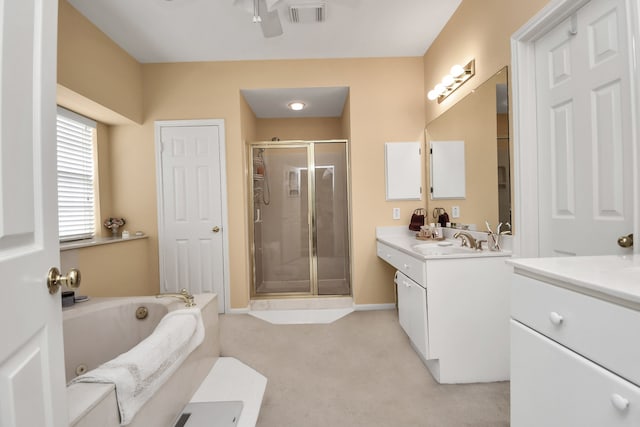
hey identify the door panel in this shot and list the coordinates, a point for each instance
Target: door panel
(331, 211)
(584, 133)
(281, 220)
(32, 387)
(192, 251)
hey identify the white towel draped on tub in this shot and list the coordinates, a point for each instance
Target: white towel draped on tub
(138, 373)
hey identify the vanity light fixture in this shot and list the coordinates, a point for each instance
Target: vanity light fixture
(296, 105)
(457, 76)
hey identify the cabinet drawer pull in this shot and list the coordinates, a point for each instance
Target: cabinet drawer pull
(555, 318)
(407, 266)
(407, 284)
(619, 402)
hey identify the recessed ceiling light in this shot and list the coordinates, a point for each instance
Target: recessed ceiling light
(296, 105)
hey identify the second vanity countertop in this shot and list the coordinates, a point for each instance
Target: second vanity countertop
(614, 276)
(403, 239)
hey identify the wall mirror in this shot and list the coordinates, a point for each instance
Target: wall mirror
(481, 120)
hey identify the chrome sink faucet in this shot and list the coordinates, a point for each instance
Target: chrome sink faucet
(467, 240)
(184, 295)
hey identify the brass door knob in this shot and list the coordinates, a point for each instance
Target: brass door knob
(215, 229)
(626, 241)
(55, 280)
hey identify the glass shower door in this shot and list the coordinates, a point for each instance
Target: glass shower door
(281, 235)
(331, 212)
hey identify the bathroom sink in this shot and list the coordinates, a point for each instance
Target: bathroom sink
(439, 248)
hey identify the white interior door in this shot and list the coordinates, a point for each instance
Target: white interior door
(585, 139)
(191, 197)
(32, 388)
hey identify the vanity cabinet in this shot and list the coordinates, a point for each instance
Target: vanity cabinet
(574, 356)
(455, 311)
(412, 312)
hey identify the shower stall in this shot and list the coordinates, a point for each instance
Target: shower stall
(299, 209)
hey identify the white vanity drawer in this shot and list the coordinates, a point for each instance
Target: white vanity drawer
(552, 386)
(603, 332)
(410, 266)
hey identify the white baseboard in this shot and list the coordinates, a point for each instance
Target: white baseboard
(369, 307)
(243, 310)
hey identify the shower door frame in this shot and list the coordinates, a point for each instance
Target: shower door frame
(309, 145)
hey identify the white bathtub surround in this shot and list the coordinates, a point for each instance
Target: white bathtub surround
(92, 404)
(140, 372)
(230, 380)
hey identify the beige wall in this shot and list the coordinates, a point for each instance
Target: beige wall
(479, 29)
(299, 129)
(381, 109)
(92, 66)
(117, 269)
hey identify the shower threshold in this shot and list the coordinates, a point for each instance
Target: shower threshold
(326, 287)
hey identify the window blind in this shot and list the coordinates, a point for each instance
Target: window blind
(76, 199)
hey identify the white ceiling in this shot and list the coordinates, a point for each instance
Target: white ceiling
(216, 30)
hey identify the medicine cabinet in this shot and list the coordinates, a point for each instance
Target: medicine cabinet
(403, 170)
(447, 170)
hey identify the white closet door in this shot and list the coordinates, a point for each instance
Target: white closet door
(585, 144)
(192, 246)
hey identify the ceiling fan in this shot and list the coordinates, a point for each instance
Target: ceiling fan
(265, 14)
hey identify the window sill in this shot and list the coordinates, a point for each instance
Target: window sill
(96, 241)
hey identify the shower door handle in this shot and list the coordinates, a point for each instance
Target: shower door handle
(215, 229)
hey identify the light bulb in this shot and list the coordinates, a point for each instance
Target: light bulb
(432, 95)
(457, 70)
(448, 80)
(440, 88)
(296, 105)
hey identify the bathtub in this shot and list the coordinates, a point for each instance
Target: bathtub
(100, 329)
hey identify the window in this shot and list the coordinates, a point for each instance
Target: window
(76, 198)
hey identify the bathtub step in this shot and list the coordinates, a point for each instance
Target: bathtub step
(232, 380)
(210, 414)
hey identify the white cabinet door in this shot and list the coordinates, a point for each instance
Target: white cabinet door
(403, 168)
(412, 312)
(553, 386)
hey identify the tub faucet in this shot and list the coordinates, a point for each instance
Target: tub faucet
(184, 295)
(467, 239)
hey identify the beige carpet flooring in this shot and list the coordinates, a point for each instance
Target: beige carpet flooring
(357, 371)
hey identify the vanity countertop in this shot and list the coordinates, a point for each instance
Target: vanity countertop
(404, 240)
(616, 277)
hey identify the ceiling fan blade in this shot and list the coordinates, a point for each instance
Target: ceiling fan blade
(271, 25)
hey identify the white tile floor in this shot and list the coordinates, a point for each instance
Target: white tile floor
(306, 316)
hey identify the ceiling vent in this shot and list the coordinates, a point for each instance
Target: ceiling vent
(307, 13)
